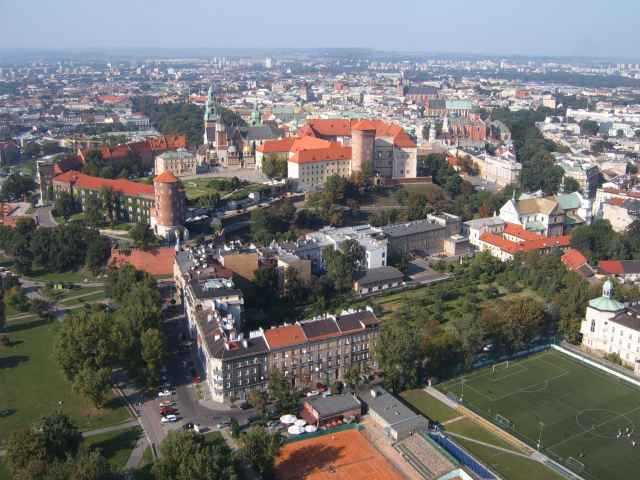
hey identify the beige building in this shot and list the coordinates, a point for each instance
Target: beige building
(179, 162)
(610, 327)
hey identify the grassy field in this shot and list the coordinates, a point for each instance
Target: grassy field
(579, 409)
(508, 466)
(429, 406)
(74, 277)
(32, 384)
(115, 446)
(4, 473)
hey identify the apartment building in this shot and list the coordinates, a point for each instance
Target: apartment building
(610, 327)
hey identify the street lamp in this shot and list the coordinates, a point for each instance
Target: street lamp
(540, 436)
(462, 380)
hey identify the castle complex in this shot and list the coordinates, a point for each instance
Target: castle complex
(325, 147)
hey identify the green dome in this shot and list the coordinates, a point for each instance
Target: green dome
(606, 304)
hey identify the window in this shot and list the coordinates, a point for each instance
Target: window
(593, 326)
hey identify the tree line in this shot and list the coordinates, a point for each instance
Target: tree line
(427, 339)
(55, 250)
(93, 342)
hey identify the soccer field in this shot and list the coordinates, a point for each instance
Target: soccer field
(580, 411)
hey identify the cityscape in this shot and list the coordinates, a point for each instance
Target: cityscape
(319, 247)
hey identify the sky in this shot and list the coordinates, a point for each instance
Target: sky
(593, 28)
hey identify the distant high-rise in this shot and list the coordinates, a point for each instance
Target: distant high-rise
(268, 63)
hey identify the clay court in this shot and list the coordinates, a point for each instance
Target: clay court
(338, 456)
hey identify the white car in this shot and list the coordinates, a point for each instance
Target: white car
(165, 393)
(167, 403)
(169, 419)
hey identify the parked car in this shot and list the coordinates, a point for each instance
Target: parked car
(165, 393)
(168, 411)
(167, 403)
(313, 393)
(225, 422)
(169, 419)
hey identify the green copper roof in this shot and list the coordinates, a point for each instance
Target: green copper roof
(606, 304)
(569, 201)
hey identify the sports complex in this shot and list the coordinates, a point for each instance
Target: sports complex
(581, 416)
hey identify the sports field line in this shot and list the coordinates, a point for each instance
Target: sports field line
(576, 435)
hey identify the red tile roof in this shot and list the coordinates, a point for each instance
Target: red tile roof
(342, 128)
(286, 336)
(158, 262)
(277, 146)
(335, 152)
(502, 243)
(611, 267)
(87, 182)
(520, 232)
(573, 259)
(310, 143)
(166, 177)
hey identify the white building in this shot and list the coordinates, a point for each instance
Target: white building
(610, 327)
(179, 162)
(370, 238)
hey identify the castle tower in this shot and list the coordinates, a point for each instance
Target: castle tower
(168, 213)
(363, 140)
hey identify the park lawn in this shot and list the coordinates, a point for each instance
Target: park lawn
(472, 429)
(32, 384)
(94, 296)
(72, 277)
(115, 446)
(4, 472)
(429, 406)
(200, 187)
(508, 466)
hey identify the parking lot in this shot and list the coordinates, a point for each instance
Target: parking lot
(188, 398)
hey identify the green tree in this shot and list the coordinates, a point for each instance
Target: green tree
(94, 384)
(260, 448)
(339, 268)
(65, 205)
(258, 400)
(589, 128)
(571, 185)
(187, 456)
(153, 354)
(109, 201)
(93, 211)
(17, 187)
(89, 465)
(26, 455)
(398, 351)
(143, 236)
(85, 341)
(281, 392)
(61, 437)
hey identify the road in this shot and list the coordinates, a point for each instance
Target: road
(45, 217)
(186, 396)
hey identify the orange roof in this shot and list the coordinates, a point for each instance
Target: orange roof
(166, 177)
(546, 242)
(502, 243)
(309, 143)
(335, 152)
(618, 202)
(87, 182)
(277, 146)
(520, 232)
(611, 267)
(573, 259)
(365, 125)
(343, 127)
(286, 336)
(331, 127)
(158, 262)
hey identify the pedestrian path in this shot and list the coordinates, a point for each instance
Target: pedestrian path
(114, 428)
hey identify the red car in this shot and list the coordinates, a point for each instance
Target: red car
(168, 411)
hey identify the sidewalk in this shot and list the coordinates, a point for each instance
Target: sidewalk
(114, 428)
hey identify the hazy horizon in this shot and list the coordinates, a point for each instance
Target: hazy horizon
(570, 28)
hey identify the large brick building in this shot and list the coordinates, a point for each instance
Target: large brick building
(162, 205)
(326, 147)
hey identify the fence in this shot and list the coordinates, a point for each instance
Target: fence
(598, 363)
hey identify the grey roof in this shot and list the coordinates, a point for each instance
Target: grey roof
(484, 222)
(320, 328)
(630, 266)
(421, 90)
(264, 132)
(629, 317)
(411, 228)
(392, 411)
(201, 292)
(381, 274)
(333, 405)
